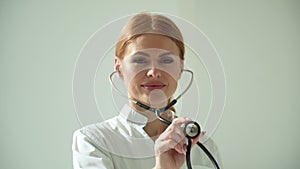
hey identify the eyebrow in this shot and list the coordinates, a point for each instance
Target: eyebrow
(166, 53)
(146, 54)
(141, 53)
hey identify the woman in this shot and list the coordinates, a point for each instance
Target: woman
(149, 59)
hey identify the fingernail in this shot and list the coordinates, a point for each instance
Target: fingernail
(186, 118)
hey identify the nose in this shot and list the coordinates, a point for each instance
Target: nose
(154, 72)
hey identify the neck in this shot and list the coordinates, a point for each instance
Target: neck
(154, 126)
(149, 114)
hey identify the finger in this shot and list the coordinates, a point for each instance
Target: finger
(176, 137)
(180, 120)
(174, 132)
(174, 140)
(181, 146)
(180, 149)
(163, 146)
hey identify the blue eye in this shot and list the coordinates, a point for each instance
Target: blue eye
(140, 60)
(167, 60)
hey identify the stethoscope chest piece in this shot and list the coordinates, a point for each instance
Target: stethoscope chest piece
(192, 129)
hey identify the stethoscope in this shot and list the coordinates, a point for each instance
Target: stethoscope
(191, 129)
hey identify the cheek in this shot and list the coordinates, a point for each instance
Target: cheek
(132, 79)
(130, 71)
(128, 75)
(173, 86)
(174, 74)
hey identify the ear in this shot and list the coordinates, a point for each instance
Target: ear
(181, 68)
(117, 62)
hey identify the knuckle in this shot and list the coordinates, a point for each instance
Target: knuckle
(177, 120)
(171, 143)
(172, 128)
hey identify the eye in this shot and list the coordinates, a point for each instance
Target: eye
(139, 60)
(166, 60)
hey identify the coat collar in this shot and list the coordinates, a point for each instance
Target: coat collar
(133, 116)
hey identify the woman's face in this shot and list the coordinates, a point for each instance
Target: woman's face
(150, 68)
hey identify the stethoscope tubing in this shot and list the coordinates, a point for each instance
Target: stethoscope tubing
(160, 110)
(134, 101)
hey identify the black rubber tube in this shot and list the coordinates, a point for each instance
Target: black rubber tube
(214, 162)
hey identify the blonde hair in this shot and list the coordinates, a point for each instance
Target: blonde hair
(146, 23)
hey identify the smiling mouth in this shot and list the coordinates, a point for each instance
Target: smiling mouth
(153, 86)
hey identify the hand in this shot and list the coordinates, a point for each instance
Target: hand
(170, 147)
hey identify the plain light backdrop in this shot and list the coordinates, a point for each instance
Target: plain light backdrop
(258, 43)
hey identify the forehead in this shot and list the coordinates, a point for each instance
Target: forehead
(151, 41)
(152, 52)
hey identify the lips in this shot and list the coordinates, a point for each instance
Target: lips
(153, 85)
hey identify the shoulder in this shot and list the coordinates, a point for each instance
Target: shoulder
(98, 131)
(89, 148)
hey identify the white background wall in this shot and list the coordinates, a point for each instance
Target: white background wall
(258, 42)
